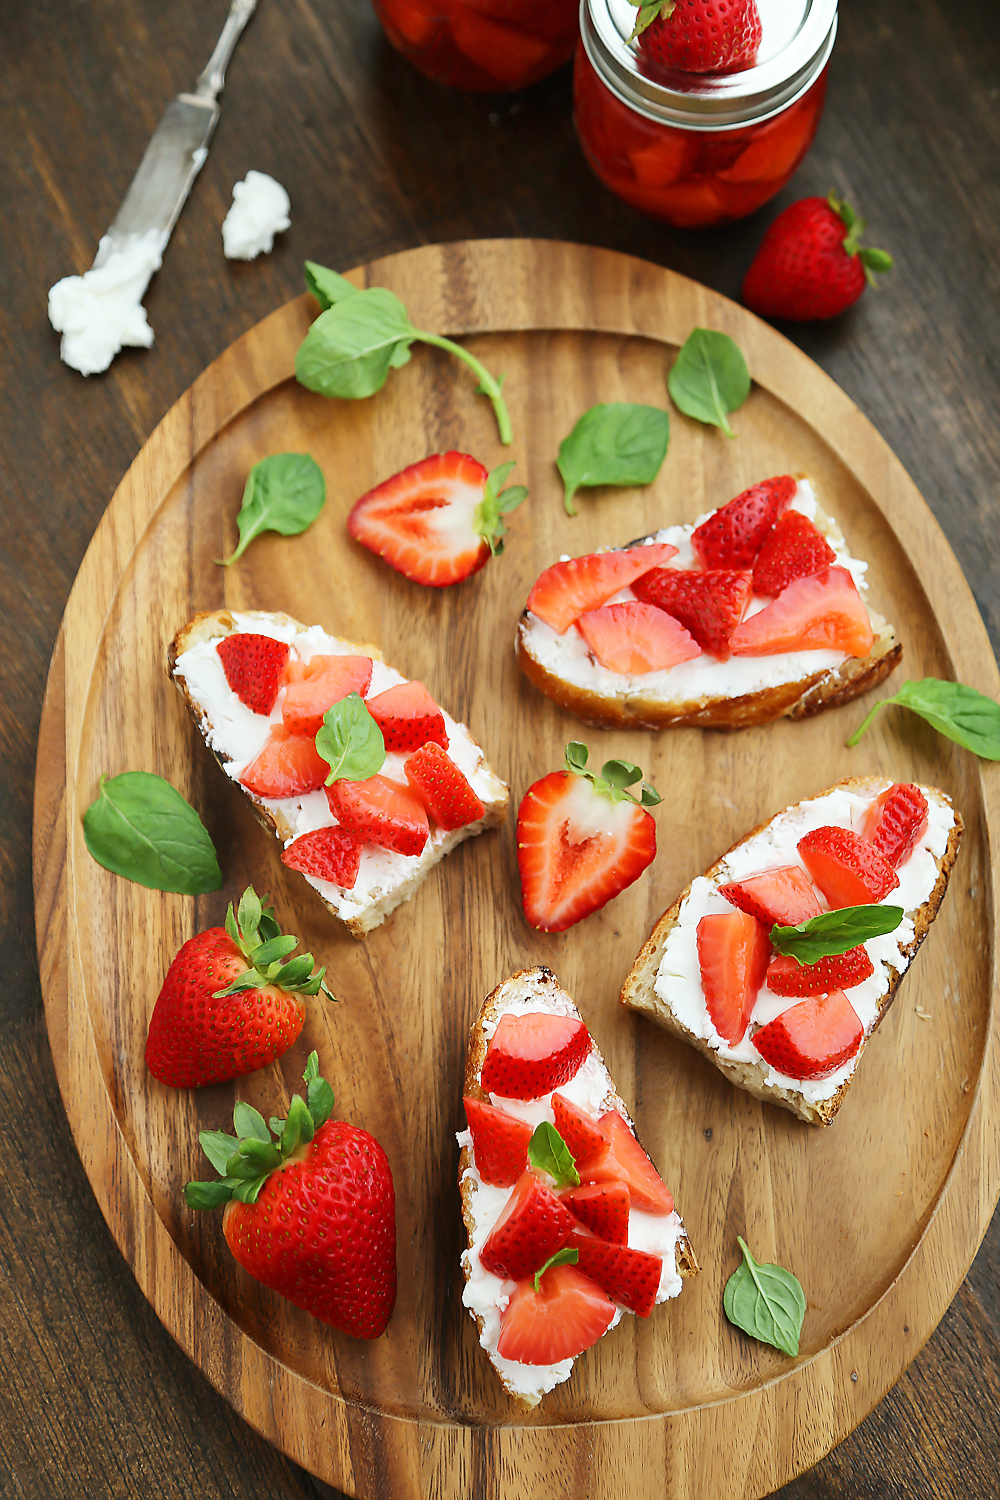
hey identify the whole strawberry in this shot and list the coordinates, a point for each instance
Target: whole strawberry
(231, 1002)
(699, 36)
(310, 1213)
(810, 264)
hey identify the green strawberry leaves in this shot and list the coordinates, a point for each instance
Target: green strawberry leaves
(351, 741)
(767, 1302)
(617, 442)
(834, 932)
(141, 827)
(648, 12)
(285, 493)
(873, 260)
(256, 934)
(960, 713)
(615, 778)
(548, 1152)
(709, 378)
(496, 503)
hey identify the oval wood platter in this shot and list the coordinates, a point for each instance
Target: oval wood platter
(880, 1215)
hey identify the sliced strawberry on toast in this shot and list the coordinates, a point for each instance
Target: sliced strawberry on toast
(708, 602)
(565, 1316)
(442, 788)
(848, 869)
(408, 717)
(793, 548)
(733, 952)
(811, 1039)
(569, 589)
(255, 668)
(822, 612)
(380, 811)
(784, 895)
(840, 971)
(582, 1134)
(532, 1226)
(500, 1141)
(624, 1160)
(289, 765)
(896, 822)
(603, 1207)
(327, 854)
(316, 685)
(633, 637)
(629, 1277)
(529, 1055)
(733, 535)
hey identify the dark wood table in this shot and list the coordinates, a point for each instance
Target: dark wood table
(95, 1399)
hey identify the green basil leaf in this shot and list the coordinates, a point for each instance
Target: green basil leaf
(835, 932)
(351, 741)
(208, 1194)
(567, 1256)
(141, 827)
(709, 378)
(249, 1123)
(218, 1147)
(616, 442)
(548, 1152)
(350, 347)
(326, 286)
(283, 493)
(767, 1302)
(960, 713)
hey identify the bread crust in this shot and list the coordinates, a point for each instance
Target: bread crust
(638, 992)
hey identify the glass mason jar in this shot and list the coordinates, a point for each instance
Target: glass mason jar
(700, 149)
(482, 44)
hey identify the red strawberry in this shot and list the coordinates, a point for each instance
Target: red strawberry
(732, 536)
(635, 637)
(794, 548)
(847, 868)
(442, 788)
(566, 1316)
(809, 264)
(288, 766)
(733, 951)
(499, 1141)
(824, 612)
(380, 811)
(318, 1224)
(700, 36)
(437, 521)
(534, 1224)
(533, 1052)
(814, 1038)
(206, 1026)
(254, 666)
(783, 896)
(629, 1277)
(327, 854)
(708, 602)
(569, 589)
(408, 717)
(624, 1160)
(841, 971)
(318, 684)
(603, 1207)
(582, 1134)
(897, 821)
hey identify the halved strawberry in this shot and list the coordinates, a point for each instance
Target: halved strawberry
(841, 971)
(316, 685)
(254, 666)
(629, 1277)
(380, 811)
(533, 1225)
(624, 1160)
(442, 788)
(500, 1142)
(582, 1135)
(566, 1316)
(532, 1052)
(636, 637)
(708, 602)
(847, 868)
(327, 854)
(824, 612)
(813, 1038)
(408, 717)
(732, 537)
(569, 589)
(784, 896)
(897, 821)
(733, 951)
(603, 1207)
(794, 548)
(288, 766)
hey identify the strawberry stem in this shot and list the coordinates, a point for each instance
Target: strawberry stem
(255, 932)
(872, 260)
(487, 385)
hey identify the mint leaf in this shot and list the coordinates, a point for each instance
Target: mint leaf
(767, 1302)
(960, 713)
(141, 827)
(284, 493)
(834, 932)
(548, 1152)
(326, 286)
(617, 442)
(567, 1256)
(709, 378)
(351, 741)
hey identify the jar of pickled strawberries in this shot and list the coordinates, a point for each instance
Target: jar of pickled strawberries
(482, 44)
(698, 149)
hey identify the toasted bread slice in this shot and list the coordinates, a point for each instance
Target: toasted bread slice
(485, 1294)
(235, 735)
(665, 982)
(715, 694)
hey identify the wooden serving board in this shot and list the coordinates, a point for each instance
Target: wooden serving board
(880, 1216)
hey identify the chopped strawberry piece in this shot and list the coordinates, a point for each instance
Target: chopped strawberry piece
(603, 1207)
(794, 548)
(569, 589)
(288, 766)
(636, 637)
(847, 868)
(733, 951)
(503, 52)
(380, 811)
(442, 788)
(316, 685)
(533, 1052)
(824, 612)
(327, 854)
(708, 602)
(732, 537)
(534, 1224)
(629, 1277)
(568, 1315)
(422, 521)
(813, 1038)
(254, 666)
(624, 1160)
(784, 896)
(408, 717)
(841, 971)
(581, 1134)
(500, 1142)
(897, 821)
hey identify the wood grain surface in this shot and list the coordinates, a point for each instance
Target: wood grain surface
(95, 1399)
(909, 1173)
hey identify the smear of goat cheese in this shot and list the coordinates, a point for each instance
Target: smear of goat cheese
(260, 210)
(101, 311)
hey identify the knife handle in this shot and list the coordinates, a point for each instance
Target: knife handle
(213, 76)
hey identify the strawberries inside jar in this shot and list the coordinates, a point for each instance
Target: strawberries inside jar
(699, 149)
(487, 45)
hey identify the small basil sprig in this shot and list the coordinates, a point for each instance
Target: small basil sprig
(487, 518)
(767, 1302)
(615, 778)
(564, 1257)
(255, 932)
(618, 442)
(362, 335)
(141, 827)
(548, 1152)
(834, 932)
(284, 493)
(709, 378)
(351, 741)
(960, 713)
